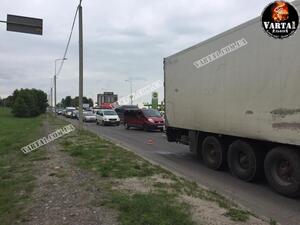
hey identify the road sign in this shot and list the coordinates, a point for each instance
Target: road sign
(24, 24)
(154, 100)
(154, 95)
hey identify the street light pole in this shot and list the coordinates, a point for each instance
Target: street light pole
(130, 83)
(51, 96)
(80, 67)
(55, 80)
(54, 93)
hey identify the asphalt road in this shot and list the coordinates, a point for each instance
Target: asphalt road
(258, 197)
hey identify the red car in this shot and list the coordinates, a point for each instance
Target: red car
(147, 119)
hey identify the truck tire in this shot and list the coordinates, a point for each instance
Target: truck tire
(213, 153)
(245, 161)
(282, 170)
(171, 135)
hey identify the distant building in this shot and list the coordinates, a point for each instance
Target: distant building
(106, 97)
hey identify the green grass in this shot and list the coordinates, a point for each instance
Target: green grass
(159, 206)
(237, 215)
(105, 157)
(111, 161)
(58, 174)
(150, 209)
(273, 222)
(16, 170)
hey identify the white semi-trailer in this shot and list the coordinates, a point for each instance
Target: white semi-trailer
(235, 99)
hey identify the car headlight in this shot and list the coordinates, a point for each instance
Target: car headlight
(151, 120)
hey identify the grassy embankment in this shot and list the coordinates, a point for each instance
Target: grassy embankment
(16, 169)
(157, 196)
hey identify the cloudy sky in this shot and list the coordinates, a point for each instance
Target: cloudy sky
(122, 39)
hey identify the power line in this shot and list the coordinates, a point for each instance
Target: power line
(69, 40)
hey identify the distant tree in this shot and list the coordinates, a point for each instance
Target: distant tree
(30, 101)
(35, 101)
(91, 102)
(8, 102)
(68, 101)
(41, 100)
(62, 102)
(75, 102)
(85, 100)
(20, 108)
(15, 94)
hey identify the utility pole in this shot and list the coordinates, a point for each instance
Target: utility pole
(55, 93)
(51, 96)
(55, 81)
(130, 83)
(131, 102)
(80, 67)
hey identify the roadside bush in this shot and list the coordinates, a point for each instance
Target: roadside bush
(20, 108)
(29, 102)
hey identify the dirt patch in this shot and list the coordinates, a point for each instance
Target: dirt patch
(161, 179)
(141, 185)
(133, 184)
(209, 213)
(64, 193)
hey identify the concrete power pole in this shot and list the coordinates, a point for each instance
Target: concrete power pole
(131, 96)
(80, 67)
(51, 96)
(55, 76)
(55, 93)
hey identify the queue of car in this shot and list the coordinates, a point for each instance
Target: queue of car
(131, 116)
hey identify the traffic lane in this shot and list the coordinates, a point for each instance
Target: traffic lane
(258, 197)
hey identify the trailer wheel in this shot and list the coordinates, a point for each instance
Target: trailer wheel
(171, 134)
(213, 153)
(245, 161)
(282, 170)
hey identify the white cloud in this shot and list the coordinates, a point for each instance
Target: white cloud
(122, 39)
